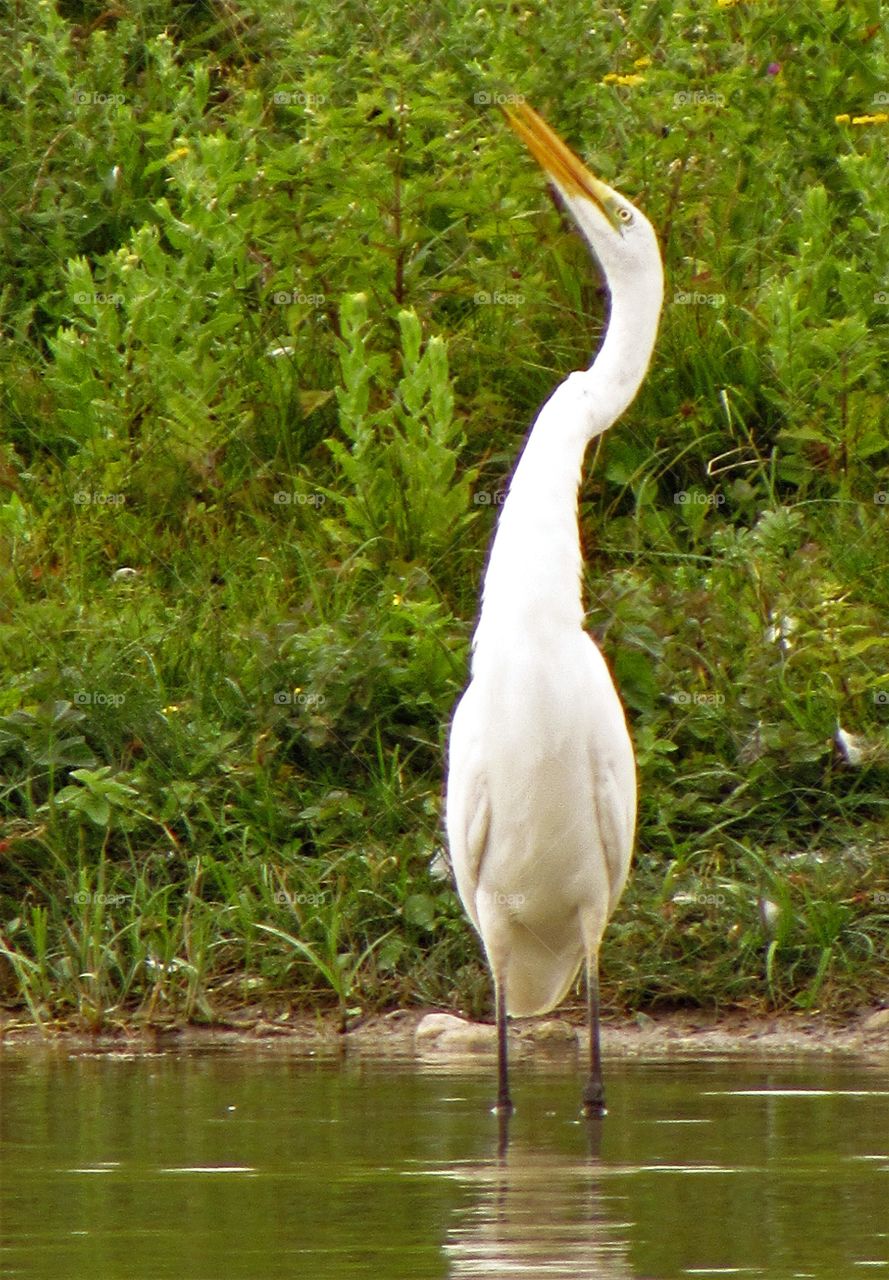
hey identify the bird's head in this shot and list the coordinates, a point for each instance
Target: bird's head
(620, 236)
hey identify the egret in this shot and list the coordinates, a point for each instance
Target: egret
(541, 789)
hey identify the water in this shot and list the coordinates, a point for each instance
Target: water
(244, 1166)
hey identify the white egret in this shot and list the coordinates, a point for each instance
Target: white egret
(541, 790)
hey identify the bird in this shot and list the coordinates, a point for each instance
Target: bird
(540, 793)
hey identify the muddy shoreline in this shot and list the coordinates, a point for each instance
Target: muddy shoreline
(395, 1035)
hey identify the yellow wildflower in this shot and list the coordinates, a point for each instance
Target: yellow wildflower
(628, 81)
(845, 118)
(642, 62)
(880, 118)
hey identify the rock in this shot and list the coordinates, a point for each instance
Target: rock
(878, 1021)
(551, 1033)
(442, 1033)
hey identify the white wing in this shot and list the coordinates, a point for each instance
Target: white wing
(467, 806)
(612, 768)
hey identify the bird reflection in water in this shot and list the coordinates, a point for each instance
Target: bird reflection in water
(539, 1212)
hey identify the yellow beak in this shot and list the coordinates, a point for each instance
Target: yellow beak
(559, 161)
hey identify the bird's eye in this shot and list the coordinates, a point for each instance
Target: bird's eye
(624, 214)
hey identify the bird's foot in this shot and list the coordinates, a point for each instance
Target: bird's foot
(593, 1098)
(504, 1106)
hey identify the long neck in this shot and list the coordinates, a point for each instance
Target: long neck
(533, 579)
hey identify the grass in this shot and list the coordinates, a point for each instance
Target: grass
(278, 303)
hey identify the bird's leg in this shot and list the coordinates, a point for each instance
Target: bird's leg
(593, 1095)
(504, 1102)
(503, 1118)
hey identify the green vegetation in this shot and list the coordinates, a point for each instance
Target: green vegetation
(279, 294)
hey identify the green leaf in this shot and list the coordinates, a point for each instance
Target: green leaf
(96, 808)
(419, 909)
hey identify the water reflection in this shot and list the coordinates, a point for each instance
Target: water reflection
(178, 1167)
(538, 1213)
(682, 1179)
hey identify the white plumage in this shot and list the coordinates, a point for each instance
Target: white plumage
(541, 792)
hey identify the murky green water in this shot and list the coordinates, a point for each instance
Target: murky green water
(241, 1166)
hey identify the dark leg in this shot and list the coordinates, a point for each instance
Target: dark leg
(593, 1095)
(504, 1102)
(502, 1133)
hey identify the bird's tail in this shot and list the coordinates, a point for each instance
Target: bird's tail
(537, 978)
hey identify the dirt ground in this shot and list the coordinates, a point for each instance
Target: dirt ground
(395, 1035)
